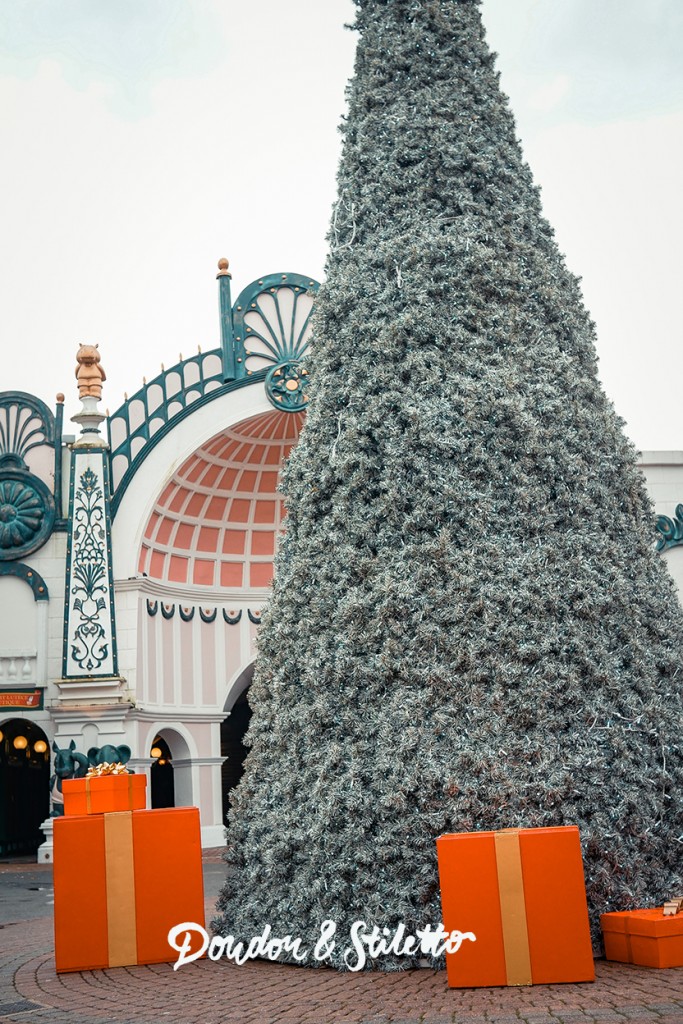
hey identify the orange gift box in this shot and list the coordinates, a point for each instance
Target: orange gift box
(522, 893)
(121, 882)
(644, 937)
(104, 793)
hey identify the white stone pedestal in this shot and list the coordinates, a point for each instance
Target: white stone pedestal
(89, 419)
(45, 850)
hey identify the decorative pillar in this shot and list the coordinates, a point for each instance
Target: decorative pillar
(89, 663)
(227, 333)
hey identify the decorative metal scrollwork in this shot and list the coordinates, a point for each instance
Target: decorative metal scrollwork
(287, 386)
(25, 423)
(670, 531)
(27, 508)
(89, 574)
(272, 329)
(27, 513)
(269, 326)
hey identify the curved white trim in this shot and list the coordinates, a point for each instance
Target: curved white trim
(181, 730)
(235, 597)
(165, 458)
(40, 718)
(236, 687)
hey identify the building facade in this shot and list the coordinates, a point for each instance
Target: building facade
(135, 562)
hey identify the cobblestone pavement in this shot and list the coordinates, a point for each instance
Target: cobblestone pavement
(270, 993)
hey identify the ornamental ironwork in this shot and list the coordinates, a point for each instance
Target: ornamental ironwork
(28, 575)
(287, 386)
(266, 329)
(272, 330)
(89, 584)
(670, 531)
(25, 423)
(28, 509)
(27, 513)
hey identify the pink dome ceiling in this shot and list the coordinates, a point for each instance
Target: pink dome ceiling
(217, 521)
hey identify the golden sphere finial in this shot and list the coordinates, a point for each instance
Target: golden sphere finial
(223, 268)
(60, 398)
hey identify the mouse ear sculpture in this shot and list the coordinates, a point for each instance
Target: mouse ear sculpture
(469, 626)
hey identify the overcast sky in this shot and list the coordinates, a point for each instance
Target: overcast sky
(144, 139)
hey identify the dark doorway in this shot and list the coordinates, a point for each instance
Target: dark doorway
(24, 786)
(233, 750)
(161, 775)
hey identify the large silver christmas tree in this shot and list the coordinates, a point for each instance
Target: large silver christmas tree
(469, 626)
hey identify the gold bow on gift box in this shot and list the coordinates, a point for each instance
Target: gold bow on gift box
(673, 906)
(98, 770)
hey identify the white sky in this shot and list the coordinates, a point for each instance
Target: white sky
(143, 139)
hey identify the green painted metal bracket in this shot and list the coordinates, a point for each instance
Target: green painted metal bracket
(28, 575)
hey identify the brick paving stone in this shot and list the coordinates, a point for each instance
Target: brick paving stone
(403, 1020)
(633, 1012)
(545, 1018)
(539, 1018)
(213, 855)
(612, 1015)
(270, 993)
(508, 1019)
(18, 1006)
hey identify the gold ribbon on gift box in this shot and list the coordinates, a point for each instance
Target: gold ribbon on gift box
(120, 882)
(513, 908)
(115, 768)
(99, 775)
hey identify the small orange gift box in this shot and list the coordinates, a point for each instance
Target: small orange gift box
(103, 793)
(645, 937)
(121, 882)
(522, 893)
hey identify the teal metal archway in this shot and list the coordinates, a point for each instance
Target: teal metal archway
(265, 337)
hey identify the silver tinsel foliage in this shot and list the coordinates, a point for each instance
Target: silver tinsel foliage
(469, 627)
